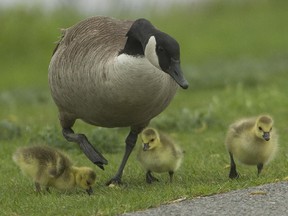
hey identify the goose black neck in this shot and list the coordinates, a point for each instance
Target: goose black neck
(137, 37)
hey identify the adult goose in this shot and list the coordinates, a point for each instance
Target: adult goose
(113, 73)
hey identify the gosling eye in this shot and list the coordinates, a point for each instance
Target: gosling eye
(152, 140)
(260, 128)
(270, 129)
(88, 182)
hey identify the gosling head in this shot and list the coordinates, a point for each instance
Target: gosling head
(85, 178)
(159, 48)
(150, 139)
(263, 127)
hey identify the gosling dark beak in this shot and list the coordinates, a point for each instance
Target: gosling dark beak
(176, 73)
(146, 146)
(89, 191)
(266, 136)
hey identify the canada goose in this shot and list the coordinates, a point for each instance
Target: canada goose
(49, 167)
(113, 73)
(158, 154)
(252, 141)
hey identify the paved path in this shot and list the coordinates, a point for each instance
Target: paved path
(269, 199)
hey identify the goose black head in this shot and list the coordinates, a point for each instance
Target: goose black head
(159, 48)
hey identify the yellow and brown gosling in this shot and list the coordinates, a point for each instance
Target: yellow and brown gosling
(158, 154)
(251, 141)
(49, 167)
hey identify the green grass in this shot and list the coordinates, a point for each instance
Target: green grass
(235, 58)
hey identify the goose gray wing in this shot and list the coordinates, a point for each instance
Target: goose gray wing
(100, 33)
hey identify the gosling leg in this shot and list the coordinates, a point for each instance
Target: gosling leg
(171, 173)
(48, 189)
(37, 187)
(93, 155)
(233, 173)
(259, 168)
(150, 178)
(130, 143)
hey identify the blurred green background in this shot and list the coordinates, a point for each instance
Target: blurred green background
(223, 44)
(234, 54)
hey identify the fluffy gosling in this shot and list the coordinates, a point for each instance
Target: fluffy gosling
(50, 168)
(252, 141)
(158, 154)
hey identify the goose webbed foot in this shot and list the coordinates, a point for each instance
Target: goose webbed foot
(114, 181)
(95, 156)
(150, 178)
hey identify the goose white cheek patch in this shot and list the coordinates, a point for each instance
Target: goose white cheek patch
(150, 52)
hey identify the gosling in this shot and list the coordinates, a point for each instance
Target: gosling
(158, 154)
(252, 141)
(49, 167)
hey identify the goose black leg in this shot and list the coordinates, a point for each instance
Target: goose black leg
(88, 149)
(130, 143)
(233, 173)
(150, 178)
(259, 168)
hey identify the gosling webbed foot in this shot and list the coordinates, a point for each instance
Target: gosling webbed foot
(89, 191)
(233, 174)
(92, 154)
(150, 178)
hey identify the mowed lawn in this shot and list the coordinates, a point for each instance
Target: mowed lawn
(235, 58)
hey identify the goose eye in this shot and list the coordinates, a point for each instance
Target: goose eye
(260, 128)
(160, 49)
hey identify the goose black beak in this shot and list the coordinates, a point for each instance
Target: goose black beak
(266, 136)
(146, 146)
(89, 191)
(176, 73)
